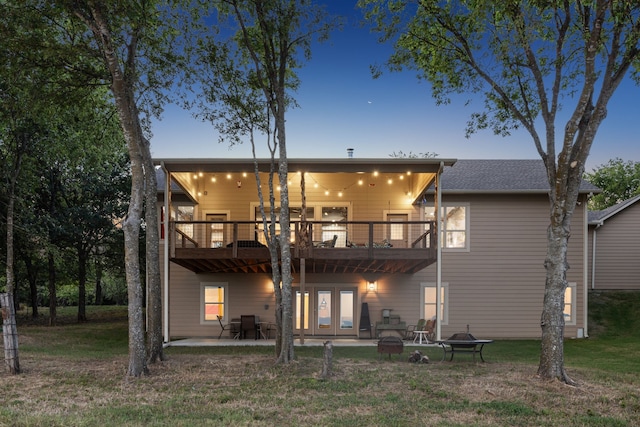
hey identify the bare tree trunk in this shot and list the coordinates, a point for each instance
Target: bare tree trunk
(52, 290)
(131, 228)
(82, 286)
(10, 333)
(98, 267)
(552, 319)
(155, 350)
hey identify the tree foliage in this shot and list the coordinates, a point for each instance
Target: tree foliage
(619, 181)
(247, 79)
(535, 64)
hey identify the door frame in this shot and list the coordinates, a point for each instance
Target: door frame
(335, 306)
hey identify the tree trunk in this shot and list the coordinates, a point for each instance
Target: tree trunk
(10, 333)
(552, 319)
(131, 229)
(82, 286)
(155, 343)
(98, 300)
(52, 290)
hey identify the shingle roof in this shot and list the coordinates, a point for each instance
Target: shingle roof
(489, 176)
(597, 217)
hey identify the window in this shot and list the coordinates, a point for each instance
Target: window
(213, 299)
(179, 213)
(337, 215)
(429, 302)
(295, 214)
(570, 304)
(455, 225)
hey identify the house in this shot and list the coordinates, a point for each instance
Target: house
(372, 240)
(614, 247)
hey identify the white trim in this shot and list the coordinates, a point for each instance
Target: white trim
(445, 304)
(467, 220)
(225, 286)
(574, 298)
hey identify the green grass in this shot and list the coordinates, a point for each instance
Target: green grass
(74, 375)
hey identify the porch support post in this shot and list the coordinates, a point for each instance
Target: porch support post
(303, 278)
(438, 203)
(585, 267)
(165, 256)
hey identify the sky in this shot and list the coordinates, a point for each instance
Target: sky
(341, 106)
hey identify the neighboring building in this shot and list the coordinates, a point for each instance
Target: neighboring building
(372, 224)
(614, 247)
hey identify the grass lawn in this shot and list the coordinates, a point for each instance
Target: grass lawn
(74, 375)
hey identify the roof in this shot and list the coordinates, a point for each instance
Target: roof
(429, 165)
(503, 176)
(599, 217)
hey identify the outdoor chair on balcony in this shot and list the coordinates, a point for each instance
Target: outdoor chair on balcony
(329, 243)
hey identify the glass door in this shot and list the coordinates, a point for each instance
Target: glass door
(325, 324)
(300, 319)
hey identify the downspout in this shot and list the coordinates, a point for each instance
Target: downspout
(585, 269)
(593, 256)
(165, 225)
(438, 254)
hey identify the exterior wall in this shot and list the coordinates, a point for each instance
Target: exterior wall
(617, 257)
(496, 287)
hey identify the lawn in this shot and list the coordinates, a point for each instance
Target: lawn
(73, 374)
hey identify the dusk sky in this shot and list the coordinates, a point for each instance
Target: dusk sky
(342, 106)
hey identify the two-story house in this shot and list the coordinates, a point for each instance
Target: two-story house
(371, 240)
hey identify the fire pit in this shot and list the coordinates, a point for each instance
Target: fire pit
(390, 345)
(463, 342)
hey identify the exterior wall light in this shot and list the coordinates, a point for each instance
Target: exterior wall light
(372, 286)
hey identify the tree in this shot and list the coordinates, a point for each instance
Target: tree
(133, 41)
(619, 181)
(523, 58)
(247, 81)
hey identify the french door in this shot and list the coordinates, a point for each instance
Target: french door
(328, 311)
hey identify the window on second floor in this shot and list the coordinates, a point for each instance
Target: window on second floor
(455, 225)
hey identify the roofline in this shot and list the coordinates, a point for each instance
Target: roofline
(530, 191)
(623, 205)
(399, 165)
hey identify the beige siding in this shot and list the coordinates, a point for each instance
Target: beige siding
(617, 260)
(496, 287)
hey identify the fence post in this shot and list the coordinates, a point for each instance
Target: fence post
(9, 333)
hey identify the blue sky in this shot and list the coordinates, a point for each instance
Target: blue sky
(342, 106)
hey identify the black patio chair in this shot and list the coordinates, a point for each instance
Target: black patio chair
(248, 324)
(223, 327)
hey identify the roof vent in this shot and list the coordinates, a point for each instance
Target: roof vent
(350, 153)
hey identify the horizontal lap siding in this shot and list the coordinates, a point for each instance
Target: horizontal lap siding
(617, 263)
(497, 288)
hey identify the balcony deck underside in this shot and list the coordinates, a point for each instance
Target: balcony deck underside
(323, 261)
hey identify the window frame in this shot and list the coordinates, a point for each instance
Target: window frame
(572, 286)
(203, 302)
(444, 231)
(445, 301)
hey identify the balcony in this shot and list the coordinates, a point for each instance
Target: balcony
(326, 247)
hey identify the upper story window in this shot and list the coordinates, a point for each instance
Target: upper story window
(179, 213)
(455, 225)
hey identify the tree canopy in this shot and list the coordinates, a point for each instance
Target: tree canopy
(618, 180)
(549, 67)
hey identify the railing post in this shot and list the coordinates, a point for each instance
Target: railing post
(370, 240)
(234, 248)
(172, 239)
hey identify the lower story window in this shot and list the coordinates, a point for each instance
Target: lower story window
(570, 304)
(429, 303)
(213, 299)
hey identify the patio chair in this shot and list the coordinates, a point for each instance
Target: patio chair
(223, 327)
(431, 330)
(248, 324)
(409, 332)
